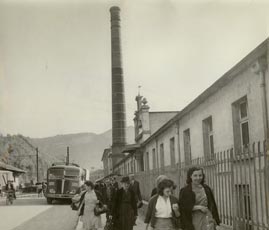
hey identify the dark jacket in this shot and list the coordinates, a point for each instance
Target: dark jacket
(151, 211)
(117, 203)
(187, 202)
(135, 187)
(81, 210)
(154, 192)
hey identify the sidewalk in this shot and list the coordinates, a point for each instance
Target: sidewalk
(139, 223)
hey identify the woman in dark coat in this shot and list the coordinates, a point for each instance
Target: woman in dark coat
(163, 211)
(124, 207)
(197, 204)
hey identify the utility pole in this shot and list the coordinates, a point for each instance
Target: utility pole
(67, 156)
(37, 164)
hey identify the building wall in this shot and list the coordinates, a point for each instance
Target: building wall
(158, 119)
(219, 106)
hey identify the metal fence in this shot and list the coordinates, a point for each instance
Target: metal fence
(240, 183)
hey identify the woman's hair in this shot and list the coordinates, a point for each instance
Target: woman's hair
(191, 171)
(160, 178)
(89, 184)
(166, 183)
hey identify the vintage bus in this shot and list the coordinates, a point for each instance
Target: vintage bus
(64, 180)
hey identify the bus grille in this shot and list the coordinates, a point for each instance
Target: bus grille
(58, 186)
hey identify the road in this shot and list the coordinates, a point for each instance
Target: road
(33, 213)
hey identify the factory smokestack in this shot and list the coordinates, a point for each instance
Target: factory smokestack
(118, 96)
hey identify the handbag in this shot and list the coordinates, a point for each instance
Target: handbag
(139, 204)
(100, 209)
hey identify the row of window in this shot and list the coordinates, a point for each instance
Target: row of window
(241, 138)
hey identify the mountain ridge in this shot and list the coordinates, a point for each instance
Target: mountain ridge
(85, 148)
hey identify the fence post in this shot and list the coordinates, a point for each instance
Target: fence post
(232, 187)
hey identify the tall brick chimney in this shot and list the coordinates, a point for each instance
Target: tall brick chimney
(118, 96)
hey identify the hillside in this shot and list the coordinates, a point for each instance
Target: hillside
(16, 150)
(86, 149)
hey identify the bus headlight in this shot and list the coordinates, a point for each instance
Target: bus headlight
(52, 190)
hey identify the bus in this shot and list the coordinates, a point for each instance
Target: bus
(64, 180)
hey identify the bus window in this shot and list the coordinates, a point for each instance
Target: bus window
(56, 173)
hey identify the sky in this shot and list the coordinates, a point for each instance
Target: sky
(55, 57)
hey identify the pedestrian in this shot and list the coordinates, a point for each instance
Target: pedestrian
(136, 188)
(44, 188)
(197, 203)
(10, 188)
(109, 197)
(115, 183)
(124, 207)
(88, 201)
(39, 189)
(0, 190)
(163, 209)
(157, 181)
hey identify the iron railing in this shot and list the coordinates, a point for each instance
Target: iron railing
(240, 183)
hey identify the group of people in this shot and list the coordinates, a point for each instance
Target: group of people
(194, 209)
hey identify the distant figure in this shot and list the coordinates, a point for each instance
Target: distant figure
(10, 188)
(135, 187)
(39, 189)
(0, 190)
(115, 183)
(44, 188)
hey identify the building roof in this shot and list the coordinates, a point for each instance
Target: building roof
(105, 152)
(131, 148)
(7, 167)
(259, 51)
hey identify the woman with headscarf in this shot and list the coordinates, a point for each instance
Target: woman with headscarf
(157, 181)
(124, 207)
(197, 203)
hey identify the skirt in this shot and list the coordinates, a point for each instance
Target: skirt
(203, 221)
(164, 224)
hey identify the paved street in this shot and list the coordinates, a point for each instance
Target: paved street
(33, 213)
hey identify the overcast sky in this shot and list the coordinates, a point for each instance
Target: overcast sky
(55, 66)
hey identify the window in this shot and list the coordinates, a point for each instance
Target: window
(187, 146)
(172, 151)
(161, 155)
(154, 160)
(208, 138)
(241, 125)
(244, 124)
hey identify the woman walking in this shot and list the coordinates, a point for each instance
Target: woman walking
(124, 207)
(197, 203)
(88, 201)
(163, 211)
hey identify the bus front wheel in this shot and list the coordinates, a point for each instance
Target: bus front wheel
(49, 200)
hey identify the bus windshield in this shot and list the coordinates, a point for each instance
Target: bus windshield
(57, 173)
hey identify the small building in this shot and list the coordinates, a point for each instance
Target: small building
(96, 174)
(107, 161)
